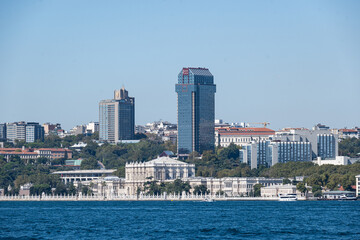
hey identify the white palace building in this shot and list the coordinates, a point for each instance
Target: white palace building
(161, 169)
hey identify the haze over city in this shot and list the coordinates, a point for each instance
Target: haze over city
(288, 63)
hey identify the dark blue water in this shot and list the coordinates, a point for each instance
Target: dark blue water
(180, 220)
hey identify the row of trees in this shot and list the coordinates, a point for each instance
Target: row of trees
(16, 173)
(350, 147)
(153, 187)
(326, 176)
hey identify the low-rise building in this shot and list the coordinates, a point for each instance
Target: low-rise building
(54, 153)
(338, 160)
(25, 189)
(78, 146)
(357, 178)
(224, 136)
(92, 127)
(232, 186)
(110, 186)
(34, 153)
(275, 190)
(79, 129)
(84, 175)
(348, 133)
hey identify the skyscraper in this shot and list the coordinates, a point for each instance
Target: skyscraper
(196, 110)
(117, 117)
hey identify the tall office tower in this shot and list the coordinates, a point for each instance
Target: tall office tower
(117, 117)
(196, 110)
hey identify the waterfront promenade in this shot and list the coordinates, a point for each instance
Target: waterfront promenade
(162, 197)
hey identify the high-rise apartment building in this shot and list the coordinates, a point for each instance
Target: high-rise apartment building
(196, 110)
(34, 132)
(268, 153)
(294, 144)
(117, 117)
(22, 131)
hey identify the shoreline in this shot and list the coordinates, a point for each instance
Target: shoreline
(135, 198)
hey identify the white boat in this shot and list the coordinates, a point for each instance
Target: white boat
(288, 197)
(207, 199)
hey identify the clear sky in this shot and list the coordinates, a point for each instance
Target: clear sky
(290, 63)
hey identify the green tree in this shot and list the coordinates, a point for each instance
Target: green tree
(318, 193)
(60, 189)
(89, 163)
(349, 147)
(201, 189)
(316, 188)
(301, 187)
(257, 190)
(178, 187)
(40, 188)
(72, 189)
(86, 190)
(42, 160)
(286, 181)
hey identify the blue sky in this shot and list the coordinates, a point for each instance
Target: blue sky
(291, 63)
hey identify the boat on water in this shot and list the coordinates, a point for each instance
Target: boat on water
(288, 197)
(338, 196)
(208, 199)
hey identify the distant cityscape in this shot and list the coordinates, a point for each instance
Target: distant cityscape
(196, 129)
(196, 132)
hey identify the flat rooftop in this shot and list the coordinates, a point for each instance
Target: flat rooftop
(85, 171)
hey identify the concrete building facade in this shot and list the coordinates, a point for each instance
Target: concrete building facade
(240, 136)
(275, 190)
(22, 131)
(117, 117)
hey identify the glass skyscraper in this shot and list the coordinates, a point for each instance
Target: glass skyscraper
(117, 117)
(196, 110)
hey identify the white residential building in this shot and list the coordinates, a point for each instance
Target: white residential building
(92, 127)
(338, 160)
